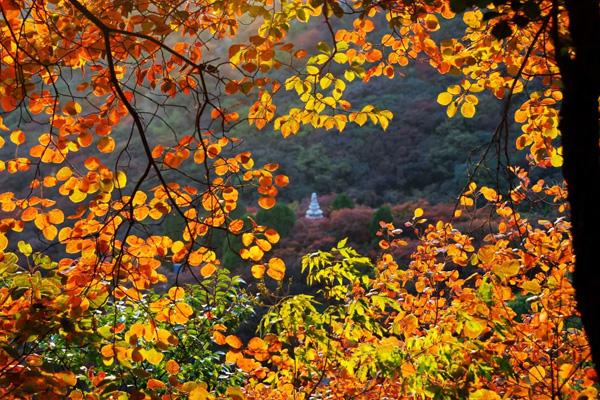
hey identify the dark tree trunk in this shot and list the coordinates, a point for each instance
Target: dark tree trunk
(581, 152)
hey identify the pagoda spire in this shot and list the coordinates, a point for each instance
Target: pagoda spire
(314, 211)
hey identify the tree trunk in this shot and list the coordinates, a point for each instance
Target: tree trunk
(580, 139)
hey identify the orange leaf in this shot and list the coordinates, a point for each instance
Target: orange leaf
(257, 343)
(266, 202)
(56, 216)
(3, 242)
(236, 226)
(17, 137)
(172, 367)
(233, 341)
(50, 232)
(106, 144)
(258, 271)
(72, 108)
(208, 270)
(218, 338)
(176, 293)
(282, 180)
(231, 357)
(272, 235)
(92, 163)
(154, 384)
(29, 214)
(276, 269)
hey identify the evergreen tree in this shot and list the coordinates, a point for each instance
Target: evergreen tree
(342, 200)
(280, 217)
(383, 213)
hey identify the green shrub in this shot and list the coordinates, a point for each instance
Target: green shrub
(342, 200)
(280, 217)
(383, 213)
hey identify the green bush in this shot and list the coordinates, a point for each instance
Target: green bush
(232, 245)
(280, 217)
(383, 213)
(342, 200)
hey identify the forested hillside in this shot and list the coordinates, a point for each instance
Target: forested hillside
(422, 155)
(299, 199)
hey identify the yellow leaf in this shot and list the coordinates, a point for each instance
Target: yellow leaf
(565, 371)
(444, 98)
(454, 89)
(258, 271)
(247, 239)
(325, 82)
(361, 119)
(17, 137)
(489, 193)
(272, 235)
(255, 253)
(234, 393)
(520, 116)
(199, 393)
(231, 357)
(507, 269)
(451, 110)
(2, 126)
(3, 242)
(152, 356)
(176, 293)
(418, 213)
(471, 99)
(484, 394)
(467, 110)
(473, 328)
(208, 270)
(537, 374)
(67, 377)
(556, 160)
(120, 180)
(532, 286)
(312, 70)
(486, 253)
(24, 248)
(276, 269)
(233, 341)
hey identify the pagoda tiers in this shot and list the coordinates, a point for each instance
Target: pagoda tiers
(314, 211)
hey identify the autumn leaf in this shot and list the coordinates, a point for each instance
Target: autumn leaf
(258, 271)
(172, 367)
(207, 270)
(17, 137)
(507, 269)
(154, 384)
(152, 356)
(276, 268)
(233, 341)
(484, 394)
(72, 108)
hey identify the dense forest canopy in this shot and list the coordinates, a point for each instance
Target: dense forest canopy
(156, 159)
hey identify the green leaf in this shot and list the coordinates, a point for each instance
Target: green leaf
(24, 248)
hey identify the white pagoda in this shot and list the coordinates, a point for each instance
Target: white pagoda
(314, 211)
